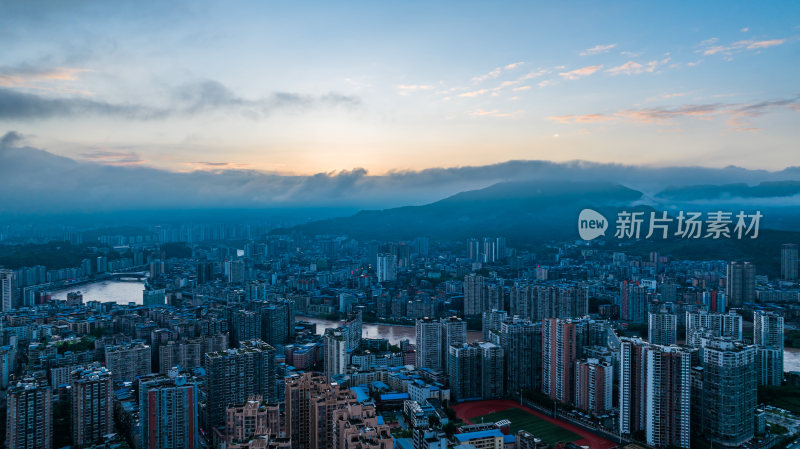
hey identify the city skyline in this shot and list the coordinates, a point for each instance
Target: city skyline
(199, 86)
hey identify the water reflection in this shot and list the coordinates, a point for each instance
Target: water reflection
(393, 332)
(105, 291)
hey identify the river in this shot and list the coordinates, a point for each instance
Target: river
(104, 291)
(393, 332)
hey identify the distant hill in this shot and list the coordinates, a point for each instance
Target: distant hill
(523, 212)
(532, 213)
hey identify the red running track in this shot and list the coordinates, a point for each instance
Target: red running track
(467, 410)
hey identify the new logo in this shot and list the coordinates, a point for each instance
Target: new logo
(591, 224)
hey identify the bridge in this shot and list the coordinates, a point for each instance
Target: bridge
(129, 276)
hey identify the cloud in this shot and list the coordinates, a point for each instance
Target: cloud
(580, 73)
(495, 91)
(473, 93)
(186, 100)
(16, 105)
(545, 83)
(597, 49)
(65, 185)
(737, 115)
(494, 113)
(113, 157)
(586, 118)
(738, 46)
(10, 139)
(33, 76)
(496, 72)
(765, 44)
(533, 74)
(744, 30)
(635, 68)
(406, 89)
(493, 74)
(215, 166)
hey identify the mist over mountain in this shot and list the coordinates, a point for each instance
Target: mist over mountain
(520, 211)
(36, 182)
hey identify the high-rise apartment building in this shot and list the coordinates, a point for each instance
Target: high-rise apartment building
(559, 354)
(7, 289)
(668, 396)
(740, 285)
(594, 381)
(521, 341)
(768, 338)
(29, 419)
(188, 354)
(492, 377)
(476, 371)
(655, 392)
(454, 332)
(251, 424)
(311, 403)
(168, 412)
(662, 328)
(495, 297)
(464, 372)
(247, 325)
(729, 392)
(336, 355)
(92, 392)
(235, 375)
(634, 300)
(429, 344)
(537, 302)
(789, 257)
(490, 322)
(353, 330)
(702, 324)
(357, 426)
(387, 267)
(129, 361)
(474, 295)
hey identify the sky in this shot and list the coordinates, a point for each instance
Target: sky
(304, 88)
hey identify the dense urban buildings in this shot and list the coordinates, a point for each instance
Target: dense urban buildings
(305, 343)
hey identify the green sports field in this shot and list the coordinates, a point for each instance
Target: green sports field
(520, 419)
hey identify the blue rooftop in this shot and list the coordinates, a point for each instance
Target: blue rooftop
(361, 393)
(393, 396)
(464, 437)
